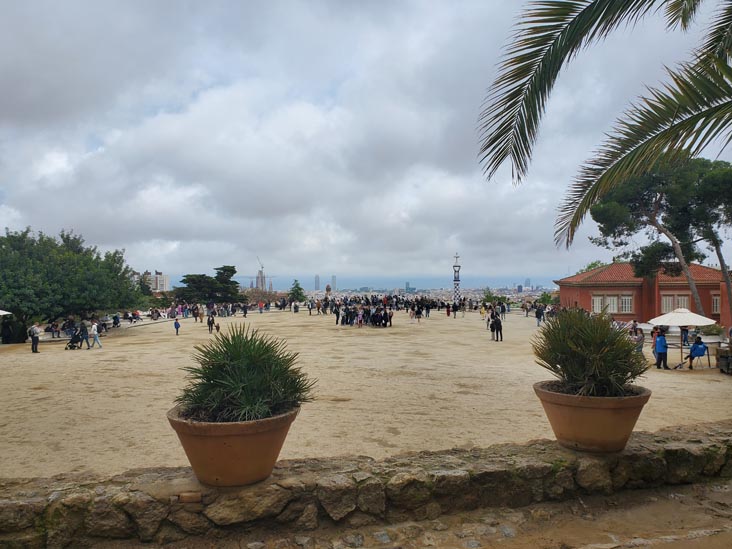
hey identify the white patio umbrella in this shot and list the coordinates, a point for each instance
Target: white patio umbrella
(681, 317)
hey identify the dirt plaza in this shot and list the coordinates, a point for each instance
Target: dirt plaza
(438, 384)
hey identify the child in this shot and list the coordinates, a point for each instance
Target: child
(218, 328)
(176, 325)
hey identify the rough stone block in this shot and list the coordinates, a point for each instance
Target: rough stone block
(448, 482)
(146, 512)
(309, 518)
(19, 515)
(428, 512)
(559, 485)
(105, 520)
(357, 519)
(685, 462)
(409, 489)
(338, 495)
(593, 475)
(191, 523)
(372, 496)
(638, 469)
(247, 504)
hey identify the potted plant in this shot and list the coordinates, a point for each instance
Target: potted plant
(233, 416)
(592, 405)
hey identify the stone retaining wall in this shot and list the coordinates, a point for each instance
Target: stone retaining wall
(168, 504)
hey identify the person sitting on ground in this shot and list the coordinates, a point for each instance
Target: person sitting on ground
(699, 348)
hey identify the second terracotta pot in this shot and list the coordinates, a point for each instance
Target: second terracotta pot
(232, 454)
(591, 424)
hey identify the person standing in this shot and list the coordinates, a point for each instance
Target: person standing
(539, 314)
(95, 335)
(499, 327)
(84, 335)
(684, 335)
(35, 335)
(661, 350)
(176, 325)
(640, 338)
(210, 322)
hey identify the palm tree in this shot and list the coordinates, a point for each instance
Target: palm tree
(674, 122)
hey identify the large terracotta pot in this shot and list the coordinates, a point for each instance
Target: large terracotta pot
(232, 454)
(591, 424)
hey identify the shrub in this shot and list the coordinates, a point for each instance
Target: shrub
(711, 330)
(588, 354)
(241, 376)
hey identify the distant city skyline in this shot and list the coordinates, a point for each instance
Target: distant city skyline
(284, 282)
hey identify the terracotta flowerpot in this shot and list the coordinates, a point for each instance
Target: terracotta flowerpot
(232, 454)
(591, 424)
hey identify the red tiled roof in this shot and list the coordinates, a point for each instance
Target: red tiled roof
(699, 273)
(622, 273)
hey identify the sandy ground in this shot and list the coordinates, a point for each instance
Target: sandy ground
(435, 385)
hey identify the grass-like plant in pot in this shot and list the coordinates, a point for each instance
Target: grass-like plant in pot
(242, 396)
(593, 404)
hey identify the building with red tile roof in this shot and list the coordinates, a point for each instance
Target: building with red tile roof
(628, 297)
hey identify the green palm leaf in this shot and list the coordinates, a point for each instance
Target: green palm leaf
(718, 41)
(681, 12)
(549, 34)
(677, 121)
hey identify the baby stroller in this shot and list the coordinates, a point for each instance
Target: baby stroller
(74, 342)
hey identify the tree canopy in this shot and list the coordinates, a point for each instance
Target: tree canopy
(686, 204)
(591, 265)
(674, 122)
(201, 288)
(296, 293)
(490, 297)
(46, 277)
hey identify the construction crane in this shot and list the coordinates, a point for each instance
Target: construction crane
(261, 265)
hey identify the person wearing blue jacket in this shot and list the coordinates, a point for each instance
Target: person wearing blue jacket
(698, 349)
(662, 350)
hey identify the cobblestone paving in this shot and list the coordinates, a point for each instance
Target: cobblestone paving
(693, 516)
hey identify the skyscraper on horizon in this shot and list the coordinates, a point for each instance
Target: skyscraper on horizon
(317, 282)
(333, 283)
(527, 284)
(261, 281)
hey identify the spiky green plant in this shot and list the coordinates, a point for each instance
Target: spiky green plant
(588, 354)
(243, 375)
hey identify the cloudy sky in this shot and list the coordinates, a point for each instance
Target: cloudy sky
(324, 137)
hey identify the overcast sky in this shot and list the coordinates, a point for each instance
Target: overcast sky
(324, 137)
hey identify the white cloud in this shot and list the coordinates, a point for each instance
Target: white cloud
(331, 136)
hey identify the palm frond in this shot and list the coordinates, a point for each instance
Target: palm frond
(680, 13)
(548, 35)
(677, 121)
(718, 42)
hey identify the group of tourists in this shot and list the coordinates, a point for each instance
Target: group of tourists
(494, 314)
(659, 345)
